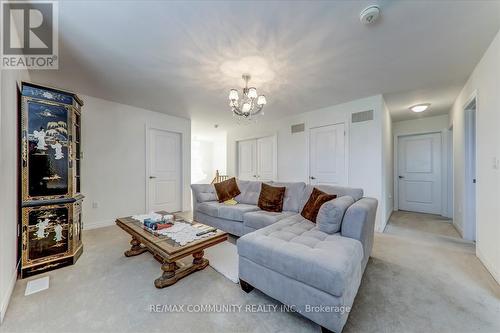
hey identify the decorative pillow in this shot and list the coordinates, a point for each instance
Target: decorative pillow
(271, 198)
(227, 189)
(231, 202)
(312, 206)
(331, 214)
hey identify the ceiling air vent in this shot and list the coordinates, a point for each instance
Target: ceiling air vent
(362, 116)
(298, 128)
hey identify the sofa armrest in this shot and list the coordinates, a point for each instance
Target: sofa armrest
(359, 223)
(202, 193)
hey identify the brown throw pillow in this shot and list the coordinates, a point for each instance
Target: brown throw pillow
(227, 189)
(312, 206)
(271, 198)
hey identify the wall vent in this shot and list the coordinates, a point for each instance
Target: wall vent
(298, 128)
(362, 116)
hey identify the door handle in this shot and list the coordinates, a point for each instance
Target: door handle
(152, 177)
(401, 177)
(254, 176)
(312, 177)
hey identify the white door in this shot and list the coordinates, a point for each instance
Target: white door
(266, 158)
(164, 171)
(470, 173)
(247, 160)
(327, 155)
(419, 165)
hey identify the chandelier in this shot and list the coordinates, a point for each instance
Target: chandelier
(250, 104)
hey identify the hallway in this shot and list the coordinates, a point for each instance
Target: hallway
(410, 223)
(423, 277)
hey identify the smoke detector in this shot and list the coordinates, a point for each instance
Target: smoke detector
(369, 15)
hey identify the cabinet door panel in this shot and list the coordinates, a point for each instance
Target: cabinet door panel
(47, 232)
(47, 149)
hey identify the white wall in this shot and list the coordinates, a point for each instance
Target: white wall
(8, 182)
(114, 162)
(208, 152)
(421, 125)
(387, 203)
(429, 125)
(364, 142)
(485, 80)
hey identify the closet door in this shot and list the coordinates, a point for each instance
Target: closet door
(266, 158)
(327, 155)
(247, 160)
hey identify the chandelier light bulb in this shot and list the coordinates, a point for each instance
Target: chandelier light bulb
(261, 100)
(233, 94)
(246, 107)
(252, 93)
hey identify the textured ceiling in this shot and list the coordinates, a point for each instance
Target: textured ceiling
(181, 58)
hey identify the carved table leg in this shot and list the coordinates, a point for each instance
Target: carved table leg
(173, 272)
(135, 249)
(199, 261)
(168, 277)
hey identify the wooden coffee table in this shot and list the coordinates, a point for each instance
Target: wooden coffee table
(167, 251)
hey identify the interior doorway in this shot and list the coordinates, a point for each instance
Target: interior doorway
(420, 184)
(470, 169)
(327, 155)
(163, 171)
(257, 159)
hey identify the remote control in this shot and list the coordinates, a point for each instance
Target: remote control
(206, 232)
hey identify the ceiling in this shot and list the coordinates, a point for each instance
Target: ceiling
(181, 58)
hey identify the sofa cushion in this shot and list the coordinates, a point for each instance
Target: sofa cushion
(260, 219)
(227, 189)
(235, 212)
(293, 195)
(250, 191)
(204, 192)
(355, 193)
(210, 208)
(296, 248)
(314, 203)
(331, 213)
(271, 198)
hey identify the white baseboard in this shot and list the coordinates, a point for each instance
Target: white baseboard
(459, 229)
(100, 224)
(5, 301)
(381, 228)
(489, 266)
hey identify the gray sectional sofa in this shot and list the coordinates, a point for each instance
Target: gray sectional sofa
(288, 257)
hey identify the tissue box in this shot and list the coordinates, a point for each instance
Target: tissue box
(150, 224)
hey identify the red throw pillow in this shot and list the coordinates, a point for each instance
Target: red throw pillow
(271, 198)
(227, 189)
(313, 204)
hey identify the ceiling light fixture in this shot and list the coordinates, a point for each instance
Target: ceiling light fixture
(250, 104)
(419, 107)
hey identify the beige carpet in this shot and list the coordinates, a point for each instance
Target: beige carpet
(419, 279)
